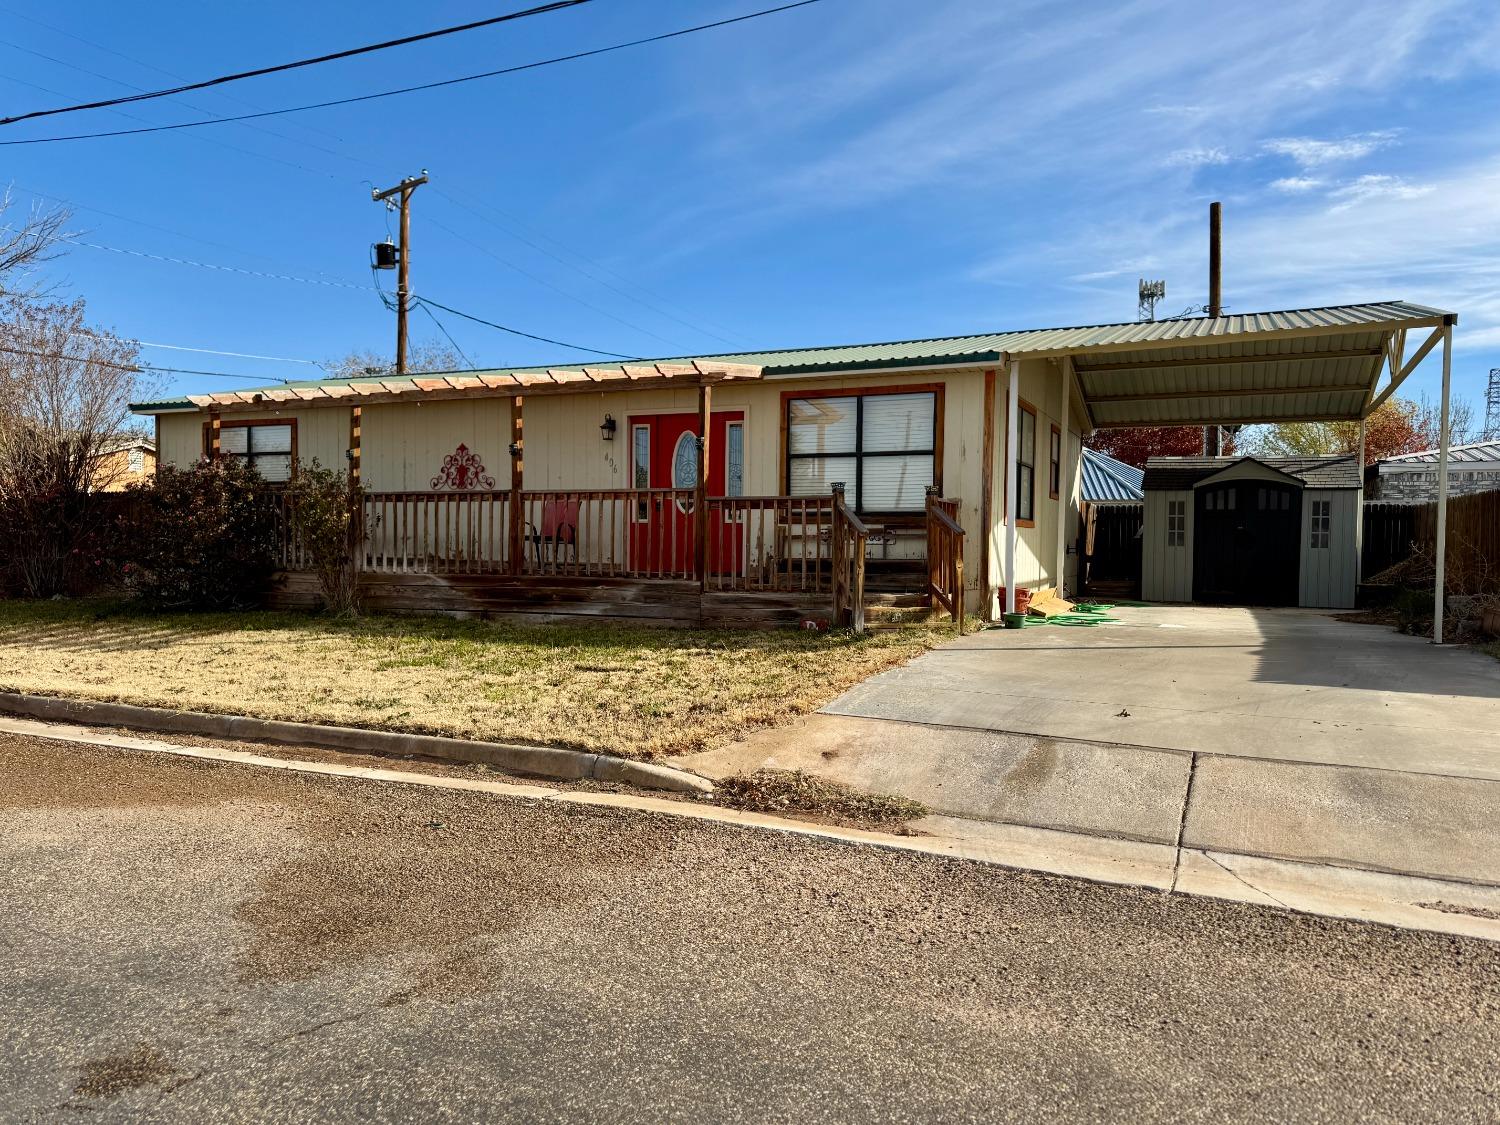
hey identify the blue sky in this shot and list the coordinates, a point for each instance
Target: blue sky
(856, 170)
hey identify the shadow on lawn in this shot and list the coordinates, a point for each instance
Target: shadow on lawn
(122, 626)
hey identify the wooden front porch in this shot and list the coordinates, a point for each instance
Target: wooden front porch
(670, 556)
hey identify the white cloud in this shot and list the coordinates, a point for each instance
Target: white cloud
(1373, 186)
(1197, 157)
(1297, 185)
(1311, 152)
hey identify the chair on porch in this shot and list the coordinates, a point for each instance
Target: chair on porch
(558, 533)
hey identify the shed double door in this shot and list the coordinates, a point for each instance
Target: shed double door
(664, 454)
(1246, 543)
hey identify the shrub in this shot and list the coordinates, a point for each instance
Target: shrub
(202, 538)
(325, 508)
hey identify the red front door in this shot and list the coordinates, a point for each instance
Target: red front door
(664, 454)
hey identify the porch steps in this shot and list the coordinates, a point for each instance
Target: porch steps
(889, 609)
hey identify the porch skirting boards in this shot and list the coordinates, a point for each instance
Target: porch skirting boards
(560, 600)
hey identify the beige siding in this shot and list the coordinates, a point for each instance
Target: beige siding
(1166, 572)
(404, 444)
(322, 434)
(1328, 575)
(1036, 547)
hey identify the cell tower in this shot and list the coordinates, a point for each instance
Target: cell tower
(1492, 407)
(1148, 293)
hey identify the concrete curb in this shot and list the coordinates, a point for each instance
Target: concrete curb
(539, 761)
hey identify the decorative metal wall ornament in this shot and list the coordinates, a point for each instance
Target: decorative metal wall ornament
(462, 471)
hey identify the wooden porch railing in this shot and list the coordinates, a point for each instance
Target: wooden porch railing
(761, 544)
(777, 544)
(850, 540)
(945, 557)
(435, 532)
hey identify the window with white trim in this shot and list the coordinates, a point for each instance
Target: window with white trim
(1176, 523)
(266, 449)
(734, 459)
(1026, 466)
(882, 447)
(640, 468)
(1321, 524)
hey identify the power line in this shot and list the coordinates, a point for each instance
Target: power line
(432, 316)
(573, 266)
(140, 367)
(426, 85)
(213, 266)
(556, 5)
(236, 355)
(518, 332)
(556, 289)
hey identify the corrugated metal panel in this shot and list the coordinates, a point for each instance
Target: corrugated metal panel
(1474, 452)
(1183, 338)
(1106, 480)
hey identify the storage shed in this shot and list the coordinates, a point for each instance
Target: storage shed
(1252, 531)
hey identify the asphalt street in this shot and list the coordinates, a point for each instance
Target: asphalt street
(193, 941)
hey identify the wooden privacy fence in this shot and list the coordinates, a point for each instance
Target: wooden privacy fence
(945, 557)
(1112, 544)
(1396, 532)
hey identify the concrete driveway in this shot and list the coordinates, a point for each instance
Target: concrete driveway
(1289, 684)
(1280, 733)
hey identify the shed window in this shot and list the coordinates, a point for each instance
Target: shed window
(1322, 524)
(881, 447)
(1026, 467)
(1176, 523)
(266, 449)
(136, 461)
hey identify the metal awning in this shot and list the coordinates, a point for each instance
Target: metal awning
(1311, 365)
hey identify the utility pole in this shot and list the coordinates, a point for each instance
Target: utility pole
(1212, 441)
(403, 262)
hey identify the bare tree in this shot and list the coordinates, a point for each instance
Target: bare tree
(65, 390)
(26, 241)
(428, 356)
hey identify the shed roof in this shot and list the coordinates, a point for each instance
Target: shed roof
(1298, 364)
(1474, 451)
(1178, 474)
(1107, 481)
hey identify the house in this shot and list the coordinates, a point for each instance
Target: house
(758, 487)
(125, 460)
(1412, 477)
(1252, 531)
(1107, 481)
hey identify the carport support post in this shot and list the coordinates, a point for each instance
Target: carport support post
(1359, 515)
(1442, 502)
(1063, 491)
(1012, 436)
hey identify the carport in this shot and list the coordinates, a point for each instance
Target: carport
(1330, 364)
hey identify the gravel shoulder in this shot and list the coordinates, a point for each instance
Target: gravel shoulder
(190, 940)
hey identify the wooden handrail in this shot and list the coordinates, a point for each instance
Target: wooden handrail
(945, 558)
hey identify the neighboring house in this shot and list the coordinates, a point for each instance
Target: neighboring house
(125, 460)
(1107, 481)
(1247, 531)
(1413, 477)
(699, 488)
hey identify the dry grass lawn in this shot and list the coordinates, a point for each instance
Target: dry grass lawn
(636, 692)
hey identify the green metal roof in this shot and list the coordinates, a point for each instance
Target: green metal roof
(1189, 332)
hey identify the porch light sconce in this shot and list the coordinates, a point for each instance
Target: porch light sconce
(607, 427)
(515, 449)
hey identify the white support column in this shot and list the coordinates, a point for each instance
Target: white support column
(1063, 491)
(1012, 437)
(1442, 502)
(1359, 515)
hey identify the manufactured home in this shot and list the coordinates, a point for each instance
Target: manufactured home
(776, 485)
